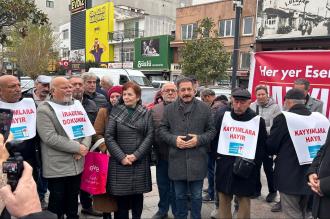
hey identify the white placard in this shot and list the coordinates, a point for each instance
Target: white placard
(238, 138)
(308, 134)
(23, 125)
(74, 120)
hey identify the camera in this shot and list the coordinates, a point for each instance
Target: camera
(13, 167)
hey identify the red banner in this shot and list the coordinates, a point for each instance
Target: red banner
(279, 70)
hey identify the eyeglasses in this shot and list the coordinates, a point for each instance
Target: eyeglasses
(170, 90)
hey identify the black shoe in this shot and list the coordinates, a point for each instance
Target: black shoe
(271, 197)
(159, 215)
(92, 212)
(277, 207)
(207, 198)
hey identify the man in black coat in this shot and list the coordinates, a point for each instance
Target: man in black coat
(319, 181)
(91, 109)
(227, 182)
(289, 174)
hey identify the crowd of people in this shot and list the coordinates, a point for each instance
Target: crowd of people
(226, 141)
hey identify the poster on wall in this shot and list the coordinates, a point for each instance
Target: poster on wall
(99, 23)
(293, 18)
(150, 47)
(279, 69)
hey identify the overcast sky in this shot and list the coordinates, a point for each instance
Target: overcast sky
(203, 1)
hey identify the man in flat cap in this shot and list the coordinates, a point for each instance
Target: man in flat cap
(295, 138)
(239, 147)
(40, 92)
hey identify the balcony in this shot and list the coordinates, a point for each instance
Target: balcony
(125, 35)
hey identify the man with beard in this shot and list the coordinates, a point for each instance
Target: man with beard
(41, 91)
(65, 133)
(187, 128)
(39, 94)
(90, 107)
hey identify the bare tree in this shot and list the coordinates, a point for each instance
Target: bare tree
(35, 51)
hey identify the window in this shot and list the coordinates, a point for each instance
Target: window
(65, 52)
(65, 34)
(49, 4)
(188, 31)
(227, 28)
(245, 60)
(271, 21)
(123, 79)
(128, 54)
(131, 29)
(247, 26)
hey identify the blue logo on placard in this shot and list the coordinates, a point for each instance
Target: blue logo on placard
(78, 131)
(236, 148)
(19, 132)
(313, 150)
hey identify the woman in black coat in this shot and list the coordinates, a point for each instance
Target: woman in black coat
(319, 181)
(129, 138)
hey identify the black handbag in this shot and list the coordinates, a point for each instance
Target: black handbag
(243, 167)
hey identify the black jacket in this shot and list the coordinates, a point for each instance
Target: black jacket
(90, 108)
(98, 98)
(226, 181)
(321, 166)
(187, 164)
(289, 176)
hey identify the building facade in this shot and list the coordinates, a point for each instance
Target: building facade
(132, 24)
(293, 25)
(223, 16)
(152, 7)
(57, 11)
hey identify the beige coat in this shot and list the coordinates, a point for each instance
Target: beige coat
(57, 150)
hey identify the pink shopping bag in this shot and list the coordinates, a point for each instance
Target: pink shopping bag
(94, 176)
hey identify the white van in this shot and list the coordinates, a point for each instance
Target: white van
(121, 76)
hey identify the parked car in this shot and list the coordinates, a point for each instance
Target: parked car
(148, 95)
(158, 84)
(121, 76)
(26, 83)
(221, 91)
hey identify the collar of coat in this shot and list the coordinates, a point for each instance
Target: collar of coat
(120, 114)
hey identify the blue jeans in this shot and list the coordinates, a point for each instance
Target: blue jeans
(182, 188)
(210, 175)
(165, 188)
(42, 185)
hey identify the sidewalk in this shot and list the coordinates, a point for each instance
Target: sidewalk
(259, 207)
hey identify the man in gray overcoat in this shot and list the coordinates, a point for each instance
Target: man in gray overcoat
(187, 127)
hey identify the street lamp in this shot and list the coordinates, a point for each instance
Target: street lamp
(238, 6)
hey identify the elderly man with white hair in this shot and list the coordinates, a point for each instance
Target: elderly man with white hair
(65, 132)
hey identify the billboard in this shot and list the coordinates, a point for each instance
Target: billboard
(153, 53)
(278, 70)
(77, 5)
(293, 18)
(150, 47)
(99, 22)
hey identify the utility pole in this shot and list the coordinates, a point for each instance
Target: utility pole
(238, 6)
